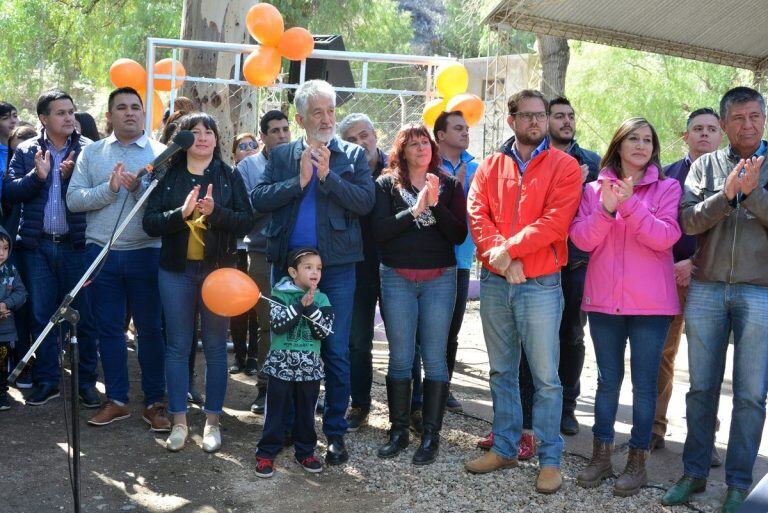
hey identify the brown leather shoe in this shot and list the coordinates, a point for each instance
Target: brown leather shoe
(109, 413)
(489, 462)
(155, 415)
(549, 481)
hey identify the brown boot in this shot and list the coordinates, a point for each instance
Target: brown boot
(549, 481)
(489, 462)
(634, 477)
(599, 466)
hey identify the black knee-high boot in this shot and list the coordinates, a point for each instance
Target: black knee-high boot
(435, 397)
(399, 401)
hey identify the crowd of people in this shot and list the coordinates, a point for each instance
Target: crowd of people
(332, 225)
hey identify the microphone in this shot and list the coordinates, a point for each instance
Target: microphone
(181, 142)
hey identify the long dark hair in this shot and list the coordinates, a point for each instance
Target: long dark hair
(612, 158)
(190, 121)
(397, 163)
(88, 126)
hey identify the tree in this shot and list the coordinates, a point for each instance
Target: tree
(554, 54)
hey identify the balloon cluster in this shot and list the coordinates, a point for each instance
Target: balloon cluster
(129, 73)
(451, 82)
(265, 24)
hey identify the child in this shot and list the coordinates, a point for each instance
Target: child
(300, 317)
(12, 296)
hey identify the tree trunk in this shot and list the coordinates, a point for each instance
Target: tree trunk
(554, 54)
(235, 108)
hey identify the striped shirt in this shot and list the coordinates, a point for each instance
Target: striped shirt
(55, 217)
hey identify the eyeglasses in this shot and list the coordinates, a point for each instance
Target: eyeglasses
(247, 145)
(530, 116)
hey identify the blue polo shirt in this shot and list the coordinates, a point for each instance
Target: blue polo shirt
(465, 251)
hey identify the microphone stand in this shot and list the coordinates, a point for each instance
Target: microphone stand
(66, 313)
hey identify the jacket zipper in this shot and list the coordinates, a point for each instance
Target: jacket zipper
(517, 205)
(554, 252)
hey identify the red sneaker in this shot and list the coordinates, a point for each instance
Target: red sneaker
(311, 464)
(265, 467)
(486, 443)
(526, 449)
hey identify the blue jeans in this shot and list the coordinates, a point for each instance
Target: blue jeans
(516, 317)
(180, 295)
(52, 270)
(129, 278)
(646, 334)
(711, 311)
(426, 305)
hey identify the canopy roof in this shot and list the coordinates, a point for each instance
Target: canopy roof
(729, 32)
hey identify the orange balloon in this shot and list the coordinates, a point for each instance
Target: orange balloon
(296, 44)
(157, 106)
(229, 292)
(165, 67)
(262, 66)
(470, 106)
(128, 73)
(265, 24)
(432, 110)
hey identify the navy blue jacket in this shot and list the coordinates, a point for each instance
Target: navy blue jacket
(577, 257)
(347, 193)
(685, 247)
(23, 186)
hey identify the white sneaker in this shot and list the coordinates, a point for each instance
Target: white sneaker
(177, 438)
(211, 438)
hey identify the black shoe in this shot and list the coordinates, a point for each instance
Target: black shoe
(356, 418)
(337, 452)
(320, 406)
(568, 424)
(89, 397)
(251, 368)
(717, 461)
(195, 397)
(257, 406)
(237, 367)
(435, 397)
(657, 442)
(42, 393)
(25, 378)
(453, 405)
(5, 403)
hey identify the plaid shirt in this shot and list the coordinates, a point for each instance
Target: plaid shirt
(55, 218)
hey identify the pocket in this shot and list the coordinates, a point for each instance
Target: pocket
(341, 238)
(548, 281)
(484, 274)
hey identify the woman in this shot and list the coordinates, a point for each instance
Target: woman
(244, 327)
(86, 125)
(199, 210)
(419, 216)
(627, 221)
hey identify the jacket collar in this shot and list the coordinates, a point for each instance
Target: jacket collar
(72, 140)
(506, 147)
(300, 143)
(651, 175)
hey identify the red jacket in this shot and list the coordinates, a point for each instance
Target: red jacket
(530, 213)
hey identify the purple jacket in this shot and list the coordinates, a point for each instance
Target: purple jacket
(630, 270)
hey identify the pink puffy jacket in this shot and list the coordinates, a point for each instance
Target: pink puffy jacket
(631, 270)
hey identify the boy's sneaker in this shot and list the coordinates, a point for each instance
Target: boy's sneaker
(5, 403)
(264, 467)
(311, 464)
(24, 381)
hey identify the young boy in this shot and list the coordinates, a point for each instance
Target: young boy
(12, 296)
(300, 317)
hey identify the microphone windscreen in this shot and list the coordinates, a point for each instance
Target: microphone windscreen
(184, 139)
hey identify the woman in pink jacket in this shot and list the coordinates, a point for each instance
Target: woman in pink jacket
(627, 221)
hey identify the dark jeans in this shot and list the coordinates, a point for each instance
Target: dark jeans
(129, 277)
(5, 352)
(244, 327)
(571, 347)
(646, 334)
(286, 399)
(259, 270)
(22, 316)
(52, 270)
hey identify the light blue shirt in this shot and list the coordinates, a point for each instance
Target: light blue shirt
(465, 251)
(522, 165)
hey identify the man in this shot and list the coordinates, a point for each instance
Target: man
(725, 205)
(452, 136)
(51, 242)
(521, 204)
(104, 184)
(274, 132)
(316, 188)
(702, 135)
(9, 118)
(358, 129)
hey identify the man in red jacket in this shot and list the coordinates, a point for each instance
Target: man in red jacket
(520, 205)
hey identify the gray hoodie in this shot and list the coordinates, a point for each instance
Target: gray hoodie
(12, 293)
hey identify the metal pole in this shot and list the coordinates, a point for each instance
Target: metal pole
(150, 85)
(74, 359)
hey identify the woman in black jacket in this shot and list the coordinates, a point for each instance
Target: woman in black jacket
(199, 210)
(418, 218)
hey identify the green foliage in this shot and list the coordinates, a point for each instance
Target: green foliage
(70, 44)
(608, 85)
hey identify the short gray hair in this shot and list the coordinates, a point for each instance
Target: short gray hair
(352, 119)
(740, 95)
(310, 89)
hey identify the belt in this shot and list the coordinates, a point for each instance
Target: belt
(56, 239)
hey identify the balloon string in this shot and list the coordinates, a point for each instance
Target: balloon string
(307, 318)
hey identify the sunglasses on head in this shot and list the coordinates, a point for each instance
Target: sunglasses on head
(247, 145)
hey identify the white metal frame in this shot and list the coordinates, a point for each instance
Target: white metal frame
(365, 57)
